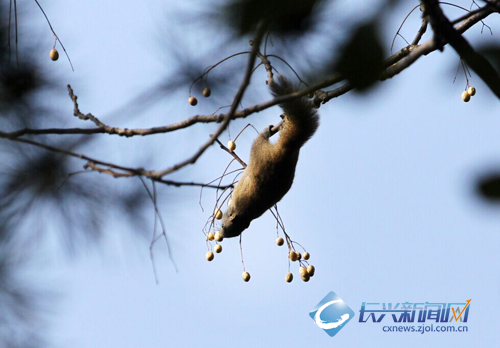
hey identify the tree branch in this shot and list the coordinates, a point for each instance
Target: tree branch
(394, 65)
(467, 22)
(227, 118)
(95, 164)
(444, 32)
(409, 54)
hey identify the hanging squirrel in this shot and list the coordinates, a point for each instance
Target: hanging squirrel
(271, 169)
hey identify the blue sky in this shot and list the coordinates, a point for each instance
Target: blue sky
(383, 200)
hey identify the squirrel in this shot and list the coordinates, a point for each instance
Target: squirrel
(271, 169)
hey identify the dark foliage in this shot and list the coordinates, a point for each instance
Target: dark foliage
(489, 187)
(361, 59)
(283, 16)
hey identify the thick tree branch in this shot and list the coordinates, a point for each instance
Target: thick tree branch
(409, 54)
(415, 52)
(444, 32)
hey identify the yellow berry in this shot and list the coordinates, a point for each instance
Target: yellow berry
(303, 271)
(306, 277)
(206, 92)
(299, 256)
(306, 256)
(289, 277)
(218, 248)
(193, 101)
(279, 241)
(218, 214)
(209, 255)
(310, 270)
(231, 145)
(465, 96)
(218, 236)
(54, 55)
(472, 91)
(293, 255)
(210, 236)
(246, 276)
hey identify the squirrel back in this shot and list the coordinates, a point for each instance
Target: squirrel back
(271, 169)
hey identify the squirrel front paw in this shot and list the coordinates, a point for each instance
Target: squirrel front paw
(268, 131)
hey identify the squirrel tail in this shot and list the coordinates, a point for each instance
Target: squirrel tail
(301, 119)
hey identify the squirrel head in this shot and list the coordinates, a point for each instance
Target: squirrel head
(233, 224)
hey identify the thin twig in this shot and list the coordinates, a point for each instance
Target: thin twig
(135, 171)
(232, 153)
(401, 26)
(241, 253)
(151, 246)
(160, 218)
(57, 37)
(239, 95)
(210, 68)
(221, 187)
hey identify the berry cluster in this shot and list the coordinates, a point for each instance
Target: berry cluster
(470, 92)
(206, 93)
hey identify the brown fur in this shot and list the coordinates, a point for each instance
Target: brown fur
(271, 170)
